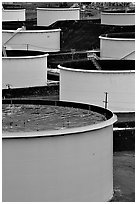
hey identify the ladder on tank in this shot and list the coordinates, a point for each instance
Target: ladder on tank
(94, 59)
(4, 45)
(127, 55)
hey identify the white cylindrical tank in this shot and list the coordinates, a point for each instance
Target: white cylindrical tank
(47, 16)
(13, 15)
(90, 86)
(66, 165)
(117, 46)
(39, 40)
(117, 18)
(25, 70)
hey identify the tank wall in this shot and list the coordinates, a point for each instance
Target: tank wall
(24, 72)
(117, 49)
(47, 17)
(13, 15)
(40, 41)
(118, 19)
(75, 167)
(91, 88)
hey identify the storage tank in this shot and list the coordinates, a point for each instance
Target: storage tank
(118, 17)
(37, 38)
(47, 16)
(13, 15)
(22, 68)
(64, 164)
(86, 83)
(117, 46)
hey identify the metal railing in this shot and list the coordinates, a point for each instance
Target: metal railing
(127, 55)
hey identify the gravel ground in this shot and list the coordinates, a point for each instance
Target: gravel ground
(124, 176)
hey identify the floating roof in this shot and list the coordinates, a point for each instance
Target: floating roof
(12, 25)
(120, 35)
(109, 65)
(22, 53)
(118, 11)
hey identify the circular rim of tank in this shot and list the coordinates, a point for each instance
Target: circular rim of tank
(63, 132)
(107, 37)
(27, 57)
(34, 31)
(13, 10)
(105, 13)
(96, 71)
(58, 9)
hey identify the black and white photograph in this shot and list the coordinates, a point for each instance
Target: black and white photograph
(68, 101)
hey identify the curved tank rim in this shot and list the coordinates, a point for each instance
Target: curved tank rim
(26, 57)
(33, 31)
(96, 71)
(41, 55)
(62, 132)
(119, 36)
(58, 9)
(13, 10)
(111, 13)
(116, 39)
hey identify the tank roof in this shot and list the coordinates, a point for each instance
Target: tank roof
(50, 115)
(58, 8)
(22, 53)
(12, 6)
(12, 25)
(120, 35)
(119, 11)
